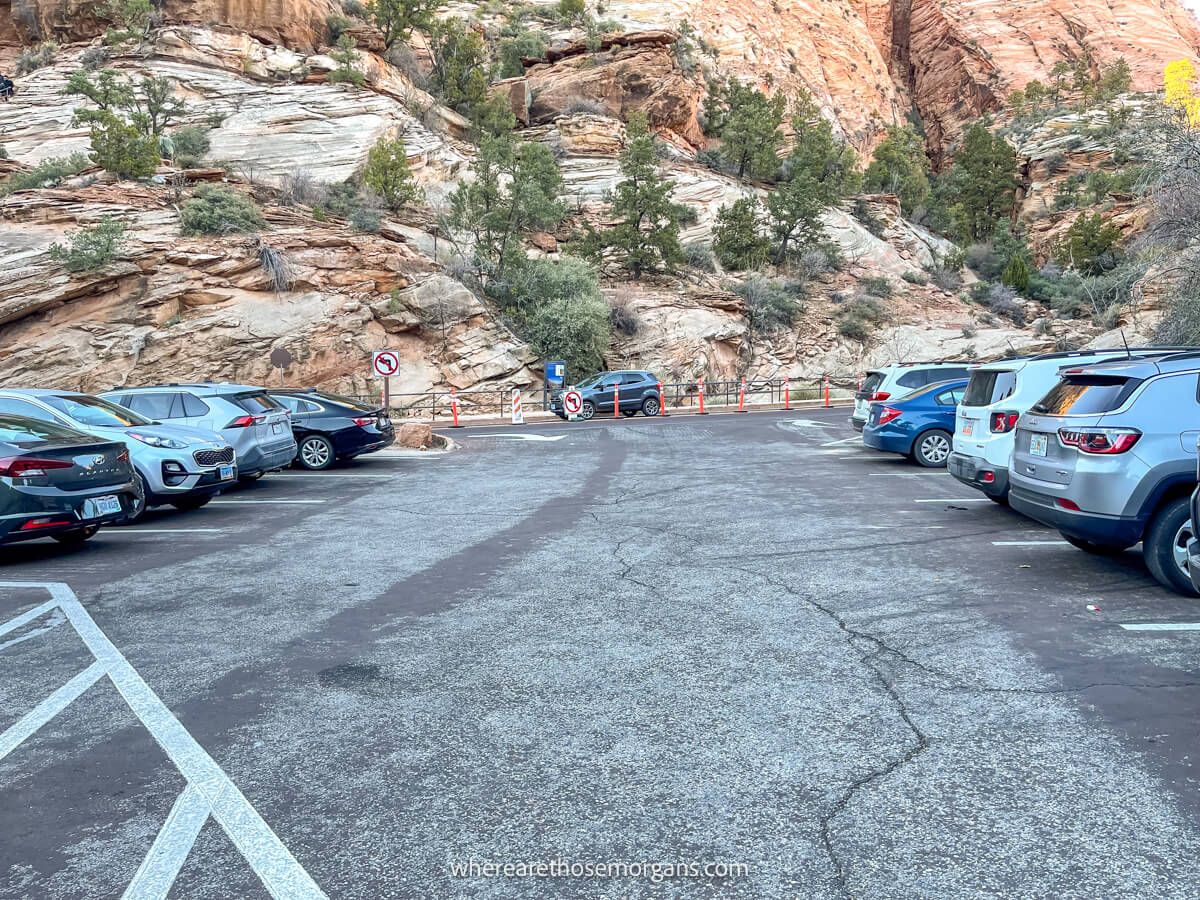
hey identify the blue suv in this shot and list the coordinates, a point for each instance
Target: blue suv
(919, 425)
(639, 394)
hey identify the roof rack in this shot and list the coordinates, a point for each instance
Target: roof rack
(1141, 351)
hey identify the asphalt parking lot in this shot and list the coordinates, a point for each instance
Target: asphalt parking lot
(743, 643)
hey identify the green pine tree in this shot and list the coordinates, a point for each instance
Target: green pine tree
(900, 167)
(387, 173)
(396, 19)
(750, 136)
(982, 184)
(738, 238)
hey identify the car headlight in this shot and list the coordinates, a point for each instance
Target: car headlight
(154, 440)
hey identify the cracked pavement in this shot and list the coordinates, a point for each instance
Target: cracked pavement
(726, 639)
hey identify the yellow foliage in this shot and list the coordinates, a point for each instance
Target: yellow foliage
(1179, 78)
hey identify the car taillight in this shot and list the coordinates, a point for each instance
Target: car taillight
(123, 456)
(889, 413)
(29, 466)
(246, 421)
(363, 423)
(1004, 422)
(879, 396)
(1068, 504)
(1100, 441)
(44, 522)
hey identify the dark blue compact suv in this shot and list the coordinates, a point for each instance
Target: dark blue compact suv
(919, 425)
(639, 394)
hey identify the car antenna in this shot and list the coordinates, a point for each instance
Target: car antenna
(1128, 352)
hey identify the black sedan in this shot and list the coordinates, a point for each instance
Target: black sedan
(329, 427)
(60, 483)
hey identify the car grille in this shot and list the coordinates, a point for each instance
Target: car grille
(213, 457)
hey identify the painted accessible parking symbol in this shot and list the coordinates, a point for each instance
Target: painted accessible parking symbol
(385, 363)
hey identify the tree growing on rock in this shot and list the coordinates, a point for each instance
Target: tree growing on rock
(387, 173)
(748, 122)
(560, 312)
(982, 185)
(397, 19)
(1089, 245)
(346, 57)
(738, 238)
(461, 72)
(91, 248)
(645, 237)
(900, 167)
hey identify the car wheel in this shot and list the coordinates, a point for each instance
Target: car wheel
(932, 449)
(588, 410)
(76, 535)
(139, 506)
(1093, 548)
(190, 503)
(1165, 547)
(315, 452)
(650, 407)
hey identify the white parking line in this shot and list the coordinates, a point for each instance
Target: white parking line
(280, 872)
(1030, 544)
(914, 472)
(242, 502)
(109, 532)
(849, 440)
(957, 500)
(327, 475)
(1163, 626)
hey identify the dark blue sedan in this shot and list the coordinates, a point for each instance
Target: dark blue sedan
(919, 425)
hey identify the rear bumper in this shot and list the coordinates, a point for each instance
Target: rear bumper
(357, 441)
(888, 440)
(970, 470)
(857, 424)
(66, 509)
(1111, 531)
(259, 459)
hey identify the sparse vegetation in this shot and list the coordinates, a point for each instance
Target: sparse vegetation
(191, 145)
(901, 167)
(738, 235)
(387, 173)
(91, 248)
(771, 305)
(47, 173)
(214, 209)
(36, 58)
(397, 19)
(277, 266)
(346, 57)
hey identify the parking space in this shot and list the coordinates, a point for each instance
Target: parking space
(741, 644)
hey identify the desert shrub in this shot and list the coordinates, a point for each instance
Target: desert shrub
(584, 106)
(354, 8)
(277, 266)
(122, 148)
(859, 318)
(214, 209)
(47, 173)
(1055, 163)
(855, 329)
(367, 215)
(984, 261)
(913, 277)
(387, 173)
(190, 145)
(336, 26)
(517, 47)
(346, 57)
(36, 58)
(700, 256)
(94, 58)
(624, 320)
(91, 248)
(877, 286)
(865, 217)
(300, 188)
(770, 304)
(1002, 300)
(571, 10)
(561, 313)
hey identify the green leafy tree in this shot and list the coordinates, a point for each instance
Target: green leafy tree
(516, 190)
(738, 238)
(900, 167)
(388, 174)
(460, 74)
(819, 172)
(131, 16)
(120, 147)
(91, 248)
(346, 57)
(645, 238)
(1089, 245)
(150, 104)
(561, 313)
(515, 48)
(749, 128)
(397, 19)
(982, 184)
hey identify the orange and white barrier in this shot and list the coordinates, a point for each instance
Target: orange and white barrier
(787, 393)
(700, 391)
(742, 397)
(518, 417)
(454, 407)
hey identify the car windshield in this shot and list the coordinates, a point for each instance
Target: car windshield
(257, 402)
(1081, 395)
(591, 382)
(97, 412)
(872, 381)
(988, 386)
(20, 430)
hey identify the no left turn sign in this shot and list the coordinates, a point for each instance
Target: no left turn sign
(385, 363)
(572, 402)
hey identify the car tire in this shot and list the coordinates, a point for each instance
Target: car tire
(1094, 548)
(315, 453)
(138, 511)
(1165, 546)
(650, 407)
(932, 448)
(186, 504)
(587, 410)
(76, 535)
(1002, 500)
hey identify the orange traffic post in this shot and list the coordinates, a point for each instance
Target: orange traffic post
(454, 407)
(616, 401)
(826, 391)
(700, 390)
(662, 400)
(742, 397)
(787, 393)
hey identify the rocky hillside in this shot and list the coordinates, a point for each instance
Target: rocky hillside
(254, 74)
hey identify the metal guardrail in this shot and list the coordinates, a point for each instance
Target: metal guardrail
(433, 406)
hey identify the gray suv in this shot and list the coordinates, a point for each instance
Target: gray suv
(1108, 457)
(259, 429)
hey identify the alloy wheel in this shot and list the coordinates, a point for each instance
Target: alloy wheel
(315, 453)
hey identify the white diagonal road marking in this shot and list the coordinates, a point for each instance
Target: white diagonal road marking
(26, 726)
(170, 849)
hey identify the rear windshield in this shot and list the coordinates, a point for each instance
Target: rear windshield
(20, 430)
(348, 402)
(988, 386)
(872, 382)
(97, 412)
(256, 403)
(1081, 395)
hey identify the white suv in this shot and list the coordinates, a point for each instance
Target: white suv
(894, 382)
(996, 396)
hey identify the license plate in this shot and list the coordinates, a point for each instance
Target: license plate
(276, 427)
(101, 506)
(226, 473)
(968, 428)
(384, 422)
(1038, 444)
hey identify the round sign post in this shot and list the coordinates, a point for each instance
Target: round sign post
(572, 403)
